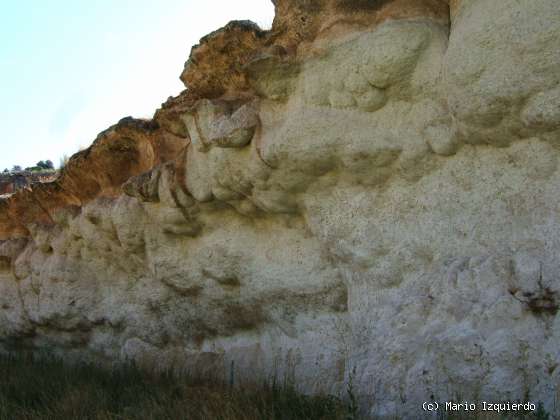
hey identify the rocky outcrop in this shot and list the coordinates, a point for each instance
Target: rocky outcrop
(367, 190)
(12, 182)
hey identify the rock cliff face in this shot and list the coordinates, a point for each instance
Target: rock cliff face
(12, 182)
(368, 190)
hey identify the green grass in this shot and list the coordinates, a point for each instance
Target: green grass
(33, 389)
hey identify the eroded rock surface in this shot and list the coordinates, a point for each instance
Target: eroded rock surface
(368, 190)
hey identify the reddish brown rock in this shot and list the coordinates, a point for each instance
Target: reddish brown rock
(124, 150)
(225, 66)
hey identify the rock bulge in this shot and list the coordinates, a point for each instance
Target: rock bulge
(369, 189)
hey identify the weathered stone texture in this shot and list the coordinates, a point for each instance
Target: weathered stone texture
(369, 187)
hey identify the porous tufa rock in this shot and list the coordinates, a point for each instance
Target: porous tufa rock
(144, 187)
(235, 130)
(367, 192)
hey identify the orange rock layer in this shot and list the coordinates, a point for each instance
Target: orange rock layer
(221, 68)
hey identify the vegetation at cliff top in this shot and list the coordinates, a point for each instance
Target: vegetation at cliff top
(48, 389)
(41, 166)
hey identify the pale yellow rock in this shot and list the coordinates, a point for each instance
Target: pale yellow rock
(379, 203)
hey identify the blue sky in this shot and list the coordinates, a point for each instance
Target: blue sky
(70, 69)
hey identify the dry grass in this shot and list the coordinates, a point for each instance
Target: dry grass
(48, 389)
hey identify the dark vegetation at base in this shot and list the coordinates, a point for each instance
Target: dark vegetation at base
(32, 389)
(49, 389)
